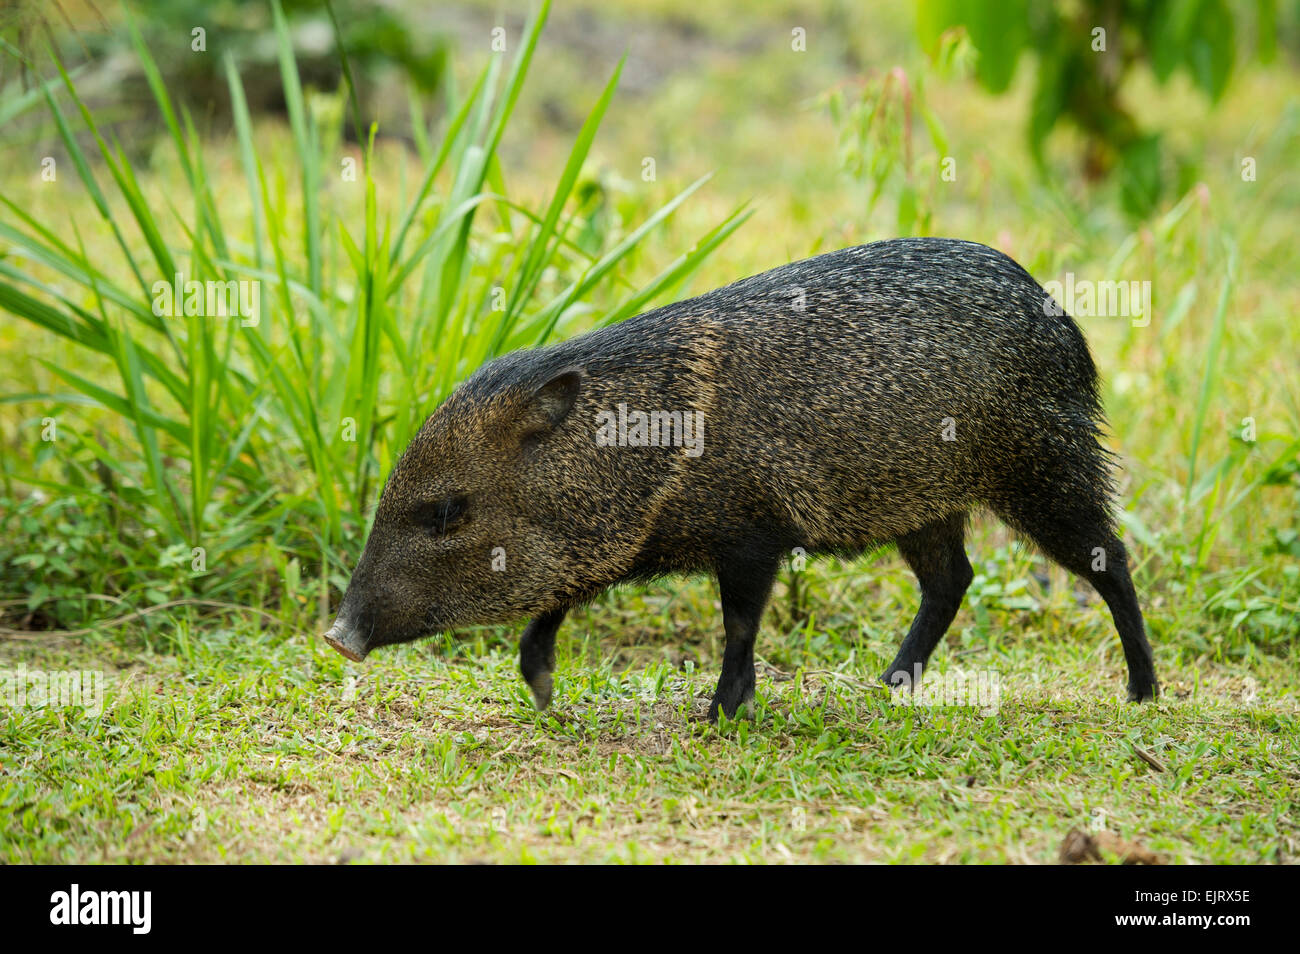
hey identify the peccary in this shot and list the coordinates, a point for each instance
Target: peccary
(874, 394)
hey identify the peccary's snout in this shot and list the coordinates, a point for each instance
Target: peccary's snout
(348, 638)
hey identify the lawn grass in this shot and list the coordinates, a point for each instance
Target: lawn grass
(238, 743)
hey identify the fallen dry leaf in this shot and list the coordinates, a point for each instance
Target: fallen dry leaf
(1079, 847)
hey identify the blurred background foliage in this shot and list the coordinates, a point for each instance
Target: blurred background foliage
(826, 125)
(1085, 52)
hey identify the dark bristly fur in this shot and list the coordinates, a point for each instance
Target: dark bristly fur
(874, 394)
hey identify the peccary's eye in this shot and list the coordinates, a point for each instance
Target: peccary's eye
(441, 516)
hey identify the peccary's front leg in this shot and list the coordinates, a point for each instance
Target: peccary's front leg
(744, 582)
(537, 655)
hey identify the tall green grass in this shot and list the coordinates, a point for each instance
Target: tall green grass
(277, 435)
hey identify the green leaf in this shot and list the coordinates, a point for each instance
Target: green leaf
(1140, 182)
(907, 209)
(1169, 34)
(999, 31)
(1266, 30)
(1212, 48)
(933, 17)
(1048, 104)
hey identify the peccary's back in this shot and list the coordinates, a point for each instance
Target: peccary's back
(863, 393)
(847, 399)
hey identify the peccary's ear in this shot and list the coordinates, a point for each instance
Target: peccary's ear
(549, 405)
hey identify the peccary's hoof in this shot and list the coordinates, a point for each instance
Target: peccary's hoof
(732, 709)
(1143, 693)
(541, 684)
(898, 679)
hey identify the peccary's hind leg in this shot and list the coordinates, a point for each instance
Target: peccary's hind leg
(1079, 536)
(744, 582)
(937, 557)
(537, 655)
